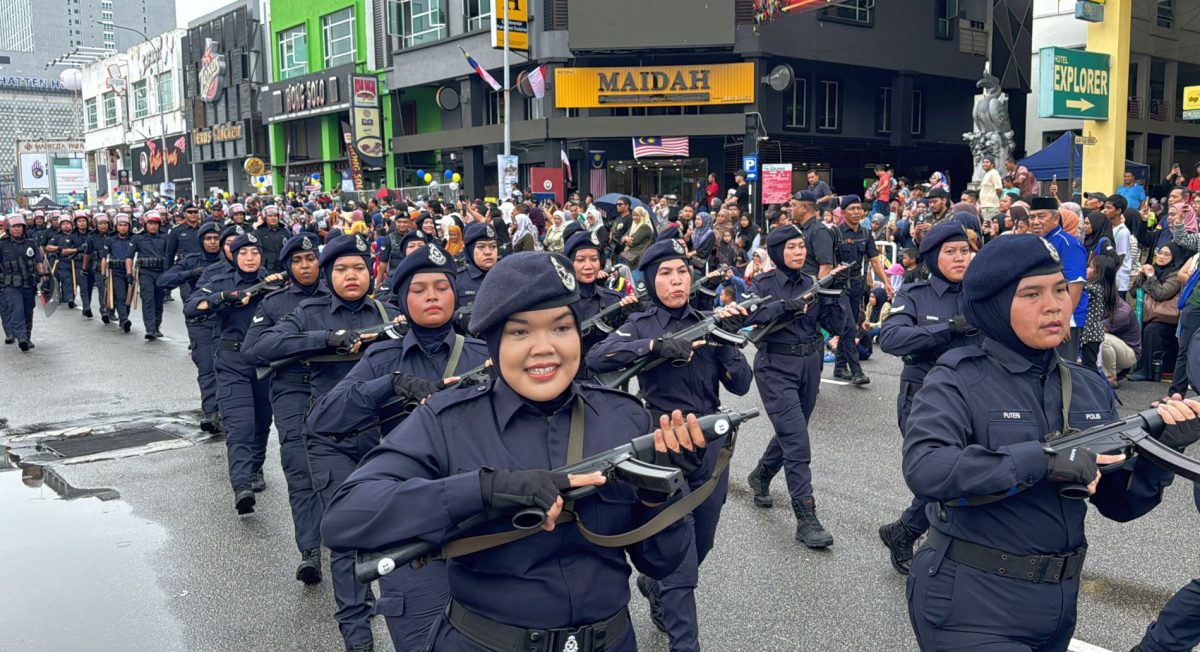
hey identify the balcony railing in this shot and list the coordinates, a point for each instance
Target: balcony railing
(1160, 110)
(971, 40)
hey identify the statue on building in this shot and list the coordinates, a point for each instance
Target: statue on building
(993, 135)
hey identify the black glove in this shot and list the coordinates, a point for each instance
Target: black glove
(505, 489)
(1181, 435)
(686, 461)
(230, 297)
(198, 272)
(795, 304)
(672, 348)
(412, 387)
(341, 339)
(959, 324)
(1076, 466)
(711, 283)
(732, 323)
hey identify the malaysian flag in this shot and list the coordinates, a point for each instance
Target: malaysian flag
(658, 146)
(491, 81)
(598, 172)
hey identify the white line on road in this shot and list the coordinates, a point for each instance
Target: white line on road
(1080, 646)
(834, 382)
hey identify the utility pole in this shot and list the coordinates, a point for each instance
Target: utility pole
(162, 114)
(507, 84)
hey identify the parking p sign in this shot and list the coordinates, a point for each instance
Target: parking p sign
(750, 166)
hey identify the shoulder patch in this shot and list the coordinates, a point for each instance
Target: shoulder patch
(953, 357)
(447, 399)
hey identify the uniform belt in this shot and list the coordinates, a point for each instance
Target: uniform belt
(231, 345)
(802, 349)
(295, 377)
(1044, 569)
(195, 321)
(499, 637)
(921, 358)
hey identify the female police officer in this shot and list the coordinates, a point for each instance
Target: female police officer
(1000, 569)
(467, 450)
(408, 369)
(583, 250)
(926, 321)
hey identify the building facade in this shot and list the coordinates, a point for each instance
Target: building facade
(224, 69)
(37, 41)
(845, 94)
(322, 107)
(1161, 65)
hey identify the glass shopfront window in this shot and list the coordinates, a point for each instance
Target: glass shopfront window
(645, 177)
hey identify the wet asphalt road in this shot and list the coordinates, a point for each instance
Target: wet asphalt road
(169, 562)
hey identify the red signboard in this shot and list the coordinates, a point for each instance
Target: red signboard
(544, 181)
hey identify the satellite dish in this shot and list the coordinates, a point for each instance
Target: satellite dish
(781, 77)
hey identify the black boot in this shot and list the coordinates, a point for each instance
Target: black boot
(126, 325)
(309, 570)
(87, 312)
(860, 379)
(899, 541)
(649, 589)
(104, 318)
(10, 340)
(243, 499)
(760, 485)
(809, 530)
(258, 482)
(25, 345)
(362, 647)
(841, 373)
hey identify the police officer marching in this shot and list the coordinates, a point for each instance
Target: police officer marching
(583, 249)
(855, 245)
(117, 250)
(64, 251)
(1000, 567)
(150, 259)
(491, 447)
(925, 321)
(392, 374)
(21, 264)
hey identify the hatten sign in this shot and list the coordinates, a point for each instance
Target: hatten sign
(727, 83)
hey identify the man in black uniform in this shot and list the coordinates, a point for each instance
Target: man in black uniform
(855, 244)
(272, 235)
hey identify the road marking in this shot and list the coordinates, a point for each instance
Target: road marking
(1080, 646)
(834, 382)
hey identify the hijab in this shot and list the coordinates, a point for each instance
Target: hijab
(703, 233)
(1188, 214)
(1179, 258)
(765, 259)
(524, 227)
(1100, 229)
(454, 241)
(427, 337)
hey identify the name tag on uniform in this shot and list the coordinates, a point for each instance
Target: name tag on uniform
(932, 318)
(1010, 416)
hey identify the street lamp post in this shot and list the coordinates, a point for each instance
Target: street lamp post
(162, 114)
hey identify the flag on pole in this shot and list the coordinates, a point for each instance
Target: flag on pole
(566, 161)
(598, 172)
(491, 81)
(658, 146)
(537, 81)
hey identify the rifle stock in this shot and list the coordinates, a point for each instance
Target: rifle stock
(631, 462)
(393, 330)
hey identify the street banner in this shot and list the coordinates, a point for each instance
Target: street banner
(776, 182)
(366, 121)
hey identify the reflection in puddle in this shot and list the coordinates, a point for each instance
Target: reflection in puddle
(77, 568)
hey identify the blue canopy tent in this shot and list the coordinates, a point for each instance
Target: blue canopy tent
(1056, 159)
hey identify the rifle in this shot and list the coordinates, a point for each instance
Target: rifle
(1133, 435)
(109, 303)
(393, 331)
(388, 412)
(808, 297)
(704, 329)
(266, 284)
(600, 319)
(132, 298)
(631, 463)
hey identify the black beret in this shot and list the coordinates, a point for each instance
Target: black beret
(1043, 204)
(806, 196)
(345, 245)
(1005, 261)
(572, 227)
(426, 259)
(302, 242)
(477, 231)
(245, 240)
(782, 234)
(669, 233)
(660, 251)
(206, 228)
(232, 231)
(951, 231)
(545, 281)
(937, 192)
(848, 200)
(581, 240)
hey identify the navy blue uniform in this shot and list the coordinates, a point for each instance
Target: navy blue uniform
(1177, 628)
(423, 479)
(183, 241)
(272, 240)
(67, 269)
(960, 448)
(466, 284)
(331, 462)
(19, 259)
(693, 388)
(200, 329)
(411, 600)
(91, 279)
(289, 401)
(592, 299)
(788, 369)
(244, 404)
(152, 261)
(117, 250)
(854, 246)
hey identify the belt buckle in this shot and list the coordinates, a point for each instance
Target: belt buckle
(572, 640)
(1052, 568)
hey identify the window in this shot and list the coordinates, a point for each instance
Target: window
(851, 12)
(883, 111)
(166, 91)
(918, 113)
(494, 111)
(829, 106)
(418, 22)
(91, 114)
(1166, 13)
(795, 105)
(110, 109)
(535, 108)
(478, 15)
(141, 100)
(338, 29)
(947, 16)
(293, 52)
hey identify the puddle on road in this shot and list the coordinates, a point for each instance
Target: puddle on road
(76, 568)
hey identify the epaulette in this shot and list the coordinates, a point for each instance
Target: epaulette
(591, 386)
(448, 398)
(954, 356)
(315, 301)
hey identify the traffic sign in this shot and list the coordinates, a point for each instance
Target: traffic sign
(1074, 84)
(750, 166)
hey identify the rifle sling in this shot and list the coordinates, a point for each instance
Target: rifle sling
(662, 520)
(456, 353)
